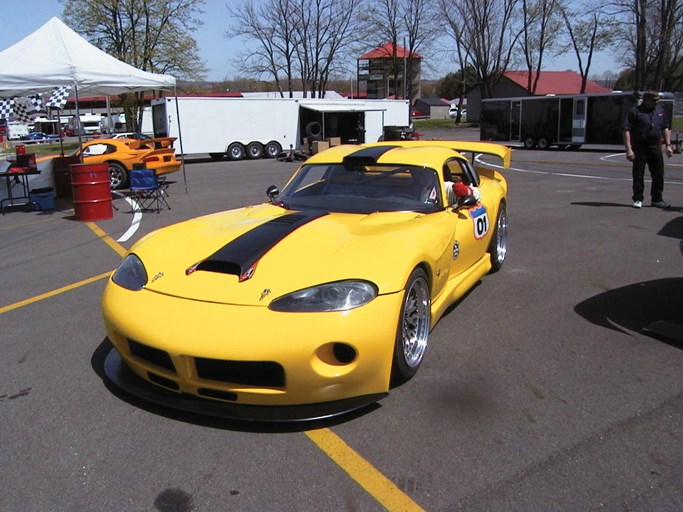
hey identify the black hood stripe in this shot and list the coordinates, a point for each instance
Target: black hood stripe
(240, 256)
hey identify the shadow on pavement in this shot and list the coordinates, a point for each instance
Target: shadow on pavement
(652, 308)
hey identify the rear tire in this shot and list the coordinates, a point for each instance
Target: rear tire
(255, 150)
(529, 143)
(272, 149)
(236, 151)
(543, 143)
(412, 333)
(498, 247)
(118, 176)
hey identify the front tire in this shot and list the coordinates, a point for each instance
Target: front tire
(412, 333)
(499, 242)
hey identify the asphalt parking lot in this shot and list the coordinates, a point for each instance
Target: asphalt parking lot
(545, 388)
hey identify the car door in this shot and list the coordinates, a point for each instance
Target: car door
(472, 224)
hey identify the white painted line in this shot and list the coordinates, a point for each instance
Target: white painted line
(137, 218)
(568, 175)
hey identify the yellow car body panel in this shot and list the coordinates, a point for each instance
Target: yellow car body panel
(196, 308)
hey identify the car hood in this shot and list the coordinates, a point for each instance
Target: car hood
(253, 255)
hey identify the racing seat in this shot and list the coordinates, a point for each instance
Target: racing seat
(147, 190)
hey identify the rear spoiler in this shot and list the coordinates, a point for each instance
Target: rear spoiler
(159, 142)
(486, 148)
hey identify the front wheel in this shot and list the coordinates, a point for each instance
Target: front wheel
(412, 333)
(118, 176)
(499, 243)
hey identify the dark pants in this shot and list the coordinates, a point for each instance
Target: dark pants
(652, 156)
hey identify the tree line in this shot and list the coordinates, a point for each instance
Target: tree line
(305, 44)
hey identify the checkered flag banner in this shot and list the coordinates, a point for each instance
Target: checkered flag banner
(23, 109)
(59, 97)
(37, 102)
(6, 108)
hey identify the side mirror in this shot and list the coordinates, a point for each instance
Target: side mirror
(272, 192)
(465, 202)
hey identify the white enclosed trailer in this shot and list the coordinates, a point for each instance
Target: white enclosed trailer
(263, 127)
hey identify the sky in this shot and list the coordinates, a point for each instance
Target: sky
(217, 51)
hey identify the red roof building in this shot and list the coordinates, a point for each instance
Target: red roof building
(386, 51)
(381, 72)
(555, 82)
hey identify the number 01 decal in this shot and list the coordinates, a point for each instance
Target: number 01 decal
(480, 218)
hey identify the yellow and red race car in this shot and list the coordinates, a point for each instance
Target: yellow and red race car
(316, 302)
(121, 154)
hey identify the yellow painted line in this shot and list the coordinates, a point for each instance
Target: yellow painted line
(24, 224)
(47, 295)
(117, 247)
(374, 482)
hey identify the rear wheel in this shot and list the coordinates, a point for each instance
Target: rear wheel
(236, 151)
(543, 143)
(254, 150)
(118, 176)
(529, 143)
(272, 149)
(499, 243)
(412, 334)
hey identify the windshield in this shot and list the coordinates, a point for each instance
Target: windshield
(363, 189)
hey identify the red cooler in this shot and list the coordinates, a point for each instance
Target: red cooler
(92, 192)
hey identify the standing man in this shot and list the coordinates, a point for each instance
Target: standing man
(645, 127)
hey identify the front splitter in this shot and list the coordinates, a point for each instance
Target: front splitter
(124, 378)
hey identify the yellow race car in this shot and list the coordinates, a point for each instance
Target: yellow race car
(122, 154)
(316, 302)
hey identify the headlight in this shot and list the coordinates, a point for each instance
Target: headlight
(338, 296)
(131, 273)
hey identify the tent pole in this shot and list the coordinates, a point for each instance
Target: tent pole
(78, 123)
(180, 134)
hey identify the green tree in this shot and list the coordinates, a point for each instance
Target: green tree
(152, 35)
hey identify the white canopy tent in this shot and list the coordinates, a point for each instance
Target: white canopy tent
(55, 56)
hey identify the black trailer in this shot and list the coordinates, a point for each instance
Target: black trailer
(565, 121)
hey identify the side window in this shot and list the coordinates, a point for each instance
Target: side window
(462, 168)
(453, 168)
(96, 149)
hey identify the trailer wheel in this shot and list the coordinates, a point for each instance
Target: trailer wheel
(254, 150)
(529, 143)
(272, 149)
(216, 156)
(543, 143)
(236, 151)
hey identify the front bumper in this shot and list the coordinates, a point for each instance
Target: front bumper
(251, 356)
(123, 377)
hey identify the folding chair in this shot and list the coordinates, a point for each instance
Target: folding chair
(147, 190)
